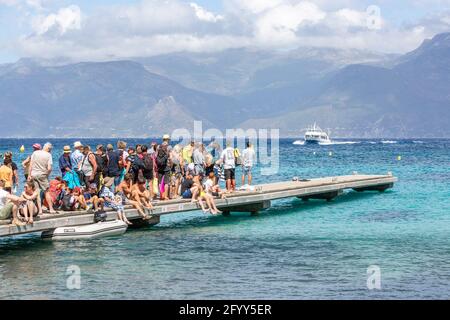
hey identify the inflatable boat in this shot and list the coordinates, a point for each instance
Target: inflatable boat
(92, 231)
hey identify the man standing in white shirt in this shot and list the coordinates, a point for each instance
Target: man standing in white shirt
(41, 167)
(229, 166)
(249, 159)
(77, 155)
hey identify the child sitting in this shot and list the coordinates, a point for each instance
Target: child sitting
(115, 203)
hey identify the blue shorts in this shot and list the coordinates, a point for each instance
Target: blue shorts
(187, 194)
(246, 170)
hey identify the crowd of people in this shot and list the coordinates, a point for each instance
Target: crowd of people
(115, 177)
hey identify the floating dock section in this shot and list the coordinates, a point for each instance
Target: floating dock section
(242, 201)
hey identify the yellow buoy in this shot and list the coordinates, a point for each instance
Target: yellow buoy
(22, 149)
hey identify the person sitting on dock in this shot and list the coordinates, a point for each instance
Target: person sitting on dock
(212, 188)
(9, 206)
(114, 202)
(208, 198)
(141, 195)
(188, 189)
(51, 195)
(33, 206)
(92, 199)
(125, 191)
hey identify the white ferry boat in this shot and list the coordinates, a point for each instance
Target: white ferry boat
(316, 135)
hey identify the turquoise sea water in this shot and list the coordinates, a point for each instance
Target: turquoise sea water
(294, 250)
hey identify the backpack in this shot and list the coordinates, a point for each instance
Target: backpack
(121, 162)
(148, 163)
(161, 161)
(101, 165)
(137, 164)
(67, 202)
(237, 157)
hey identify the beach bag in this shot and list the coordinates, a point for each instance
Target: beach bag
(155, 186)
(67, 202)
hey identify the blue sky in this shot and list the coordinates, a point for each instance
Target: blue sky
(97, 30)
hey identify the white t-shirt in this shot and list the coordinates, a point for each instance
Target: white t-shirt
(249, 157)
(40, 161)
(3, 195)
(228, 158)
(208, 185)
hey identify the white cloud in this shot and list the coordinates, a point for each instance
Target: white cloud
(204, 14)
(64, 20)
(153, 27)
(280, 24)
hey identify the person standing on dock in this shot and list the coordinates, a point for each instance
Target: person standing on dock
(114, 172)
(6, 174)
(41, 167)
(199, 159)
(248, 160)
(229, 165)
(65, 164)
(88, 167)
(27, 161)
(77, 155)
(15, 169)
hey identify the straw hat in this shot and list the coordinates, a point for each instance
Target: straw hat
(67, 149)
(77, 144)
(166, 137)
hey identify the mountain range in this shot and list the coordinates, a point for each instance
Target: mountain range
(352, 93)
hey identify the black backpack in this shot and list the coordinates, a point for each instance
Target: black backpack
(137, 164)
(161, 161)
(148, 163)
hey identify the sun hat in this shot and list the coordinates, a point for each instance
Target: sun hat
(37, 146)
(108, 182)
(77, 144)
(166, 137)
(67, 149)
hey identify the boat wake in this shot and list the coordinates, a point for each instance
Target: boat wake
(388, 142)
(337, 143)
(331, 143)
